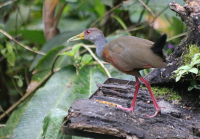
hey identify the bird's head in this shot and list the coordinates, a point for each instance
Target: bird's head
(91, 34)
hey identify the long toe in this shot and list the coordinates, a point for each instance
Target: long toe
(156, 113)
(126, 109)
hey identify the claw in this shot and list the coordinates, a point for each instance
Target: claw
(156, 113)
(126, 109)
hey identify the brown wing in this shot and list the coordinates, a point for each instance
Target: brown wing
(128, 53)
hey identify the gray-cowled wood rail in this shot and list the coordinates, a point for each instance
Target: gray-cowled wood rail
(129, 55)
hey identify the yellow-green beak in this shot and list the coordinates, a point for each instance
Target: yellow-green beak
(77, 37)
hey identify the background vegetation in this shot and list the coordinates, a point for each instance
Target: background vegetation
(43, 80)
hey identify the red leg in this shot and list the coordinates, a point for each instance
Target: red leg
(137, 86)
(152, 96)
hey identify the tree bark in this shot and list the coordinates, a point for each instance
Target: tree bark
(190, 15)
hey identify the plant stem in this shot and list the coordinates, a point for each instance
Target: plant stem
(26, 47)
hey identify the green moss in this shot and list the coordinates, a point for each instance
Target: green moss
(193, 49)
(165, 92)
(187, 57)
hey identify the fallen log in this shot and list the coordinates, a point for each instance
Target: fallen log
(98, 116)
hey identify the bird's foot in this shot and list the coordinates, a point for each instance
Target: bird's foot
(126, 109)
(158, 110)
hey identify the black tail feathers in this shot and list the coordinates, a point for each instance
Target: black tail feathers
(158, 45)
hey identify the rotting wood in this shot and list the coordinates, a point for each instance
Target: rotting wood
(90, 118)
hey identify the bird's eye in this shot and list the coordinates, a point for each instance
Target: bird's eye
(87, 31)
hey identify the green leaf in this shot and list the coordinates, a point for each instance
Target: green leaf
(58, 92)
(3, 52)
(194, 70)
(99, 8)
(192, 83)
(107, 2)
(44, 65)
(190, 88)
(19, 83)
(196, 87)
(195, 59)
(178, 78)
(86, 58)
(34, 36)
(14, 119)
(186, 67)
(180, 72)
(59, 40)
(10, 54)
(121, 23)
(12, 23)
(16, 76)
(51, 123)
(74, 50)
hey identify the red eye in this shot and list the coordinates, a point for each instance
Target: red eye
(87, 31)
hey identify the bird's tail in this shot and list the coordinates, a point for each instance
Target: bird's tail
(158, 45)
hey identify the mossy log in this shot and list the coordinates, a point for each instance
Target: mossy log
(98, 116)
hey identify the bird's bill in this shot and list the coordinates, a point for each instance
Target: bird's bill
(77, 37)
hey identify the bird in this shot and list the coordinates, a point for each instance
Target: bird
(129, 55)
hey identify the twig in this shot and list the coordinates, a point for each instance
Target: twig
(147, 8)
(95, 63)
(177, 36)
(142, 13)
(93, 55)
(57, 56)
(59, 14)
(7, 3)
(26, 47)
(140, 27)
(106, 14)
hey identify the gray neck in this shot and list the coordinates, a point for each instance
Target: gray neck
(100, 45)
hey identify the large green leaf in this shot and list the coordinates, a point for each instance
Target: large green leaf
(52, 122)
(44, 65)
(59, 92)
(53, 43)
(6, 132)
(99, 8)
(34, 36)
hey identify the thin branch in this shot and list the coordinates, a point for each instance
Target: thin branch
(26, 47)
(142, 13)
(140, 27)
(59, 14)
(177, 36)
(57, 56)
(106, 14)
(7, 3)
(93, 55)
(96, 63)
(147, 8)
